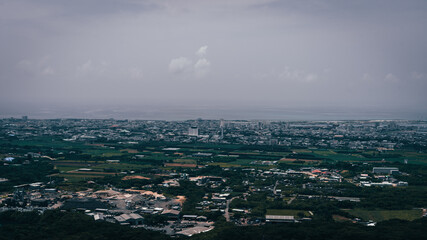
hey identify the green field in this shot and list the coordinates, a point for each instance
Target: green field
(338, 156)
(77, 178)
(289, 212)
(119, 151)
(120, 166)
(186, 161)
(382, 215)
(224, 165)
(68, 169)
(401, 155)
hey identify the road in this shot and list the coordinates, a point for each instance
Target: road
(292, 198)
(275, 186)
(226, 214)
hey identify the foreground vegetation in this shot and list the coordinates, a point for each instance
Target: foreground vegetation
(64, 225)
(383, 215)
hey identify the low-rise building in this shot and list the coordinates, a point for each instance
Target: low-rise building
(385, 170)
(279, 218)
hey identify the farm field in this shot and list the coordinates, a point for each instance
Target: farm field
(382, 215)
(106, 151)
(289, 212)
(184, 165)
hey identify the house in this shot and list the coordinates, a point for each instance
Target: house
(129, 219)
(99, 217)
(171, 214)
(202, 219)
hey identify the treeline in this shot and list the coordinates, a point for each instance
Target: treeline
(192, 193)
(66, 225)
(319, 230)
(305, 156)
(323, 208)
(70, 225)
(25, 173)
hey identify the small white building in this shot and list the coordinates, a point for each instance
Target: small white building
(279, 218)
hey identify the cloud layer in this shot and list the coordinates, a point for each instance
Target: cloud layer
(267, 53)
(183, 65)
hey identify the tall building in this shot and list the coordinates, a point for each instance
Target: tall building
(222, 123)
(193, 131)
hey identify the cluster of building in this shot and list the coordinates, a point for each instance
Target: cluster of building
(381, 176)
(131, 206)
(125, 207)
(383, 135)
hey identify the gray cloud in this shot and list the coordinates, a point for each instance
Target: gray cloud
(202, 51)
(180, 65)
(295, 75)
(201, 67)
(391, 78)
(183, 65)
(271, 53)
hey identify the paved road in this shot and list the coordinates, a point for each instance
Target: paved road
(226, 214)
(292, 198)
(275, 186)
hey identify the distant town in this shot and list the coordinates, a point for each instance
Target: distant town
(182, 178)
(380, 135)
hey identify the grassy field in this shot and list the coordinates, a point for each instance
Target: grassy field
(122, 151)
(289, 212)
(120, 166)
(104, 152)
(338, 156)
(401, 155)
(68, 169)
(76, 178)
(382, 215)
(188, 161)
(224, 165)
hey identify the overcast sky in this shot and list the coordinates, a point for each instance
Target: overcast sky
(366, 54)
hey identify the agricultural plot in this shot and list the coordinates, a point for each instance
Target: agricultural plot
(300, 161)
(224, 164)
(413, 157)
(383, 215)
(183, 165)
(188, 161)
(330, 154)
(120, 167)
(70, 169)
(366, 156)
(289, 212)
(129, 150)
(104, 152)
(64, 166)
(78, 177)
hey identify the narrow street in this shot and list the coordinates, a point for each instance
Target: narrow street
(275, 186)
(226, 214)
(292, 198)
